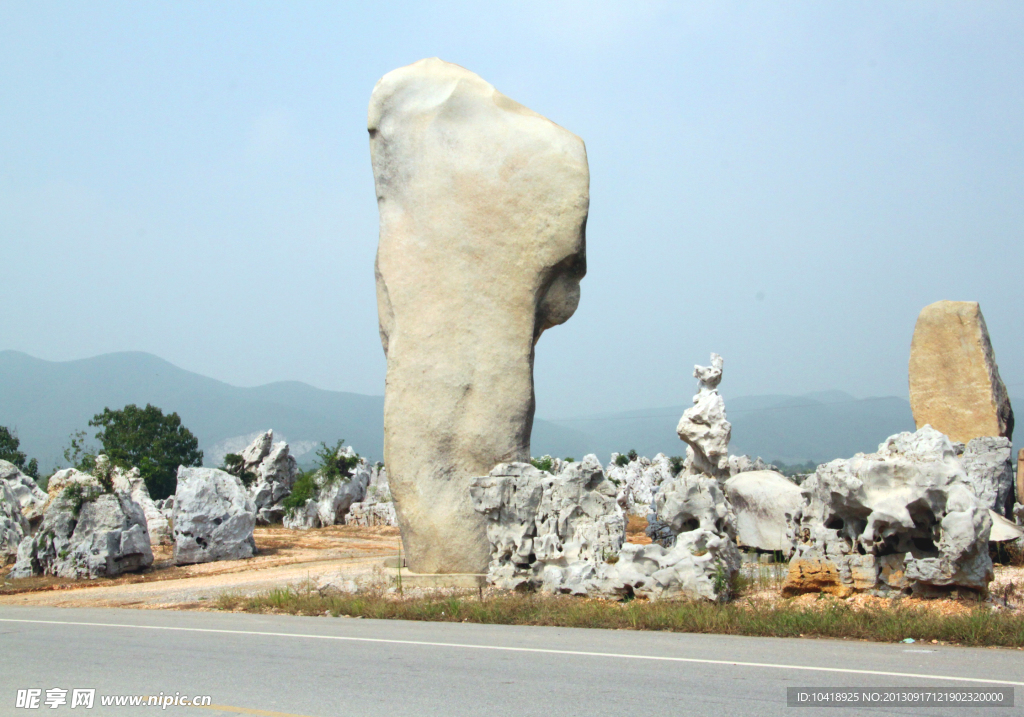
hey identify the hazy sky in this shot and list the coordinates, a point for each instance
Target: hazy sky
(785, 184)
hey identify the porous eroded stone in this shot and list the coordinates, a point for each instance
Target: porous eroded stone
(954, 380)
(274, 471)
(989, 467)
(638, 481)
(704, 427)
(213, 518)
(904, 518)
(131, 482)
(763, 502)
(483, 206)
(30, 496)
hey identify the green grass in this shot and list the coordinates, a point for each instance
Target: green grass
(830, 618)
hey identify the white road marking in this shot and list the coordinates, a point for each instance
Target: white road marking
(534, 650)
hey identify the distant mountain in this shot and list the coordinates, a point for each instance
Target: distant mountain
(45, 401)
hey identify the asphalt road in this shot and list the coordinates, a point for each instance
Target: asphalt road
(320, 667)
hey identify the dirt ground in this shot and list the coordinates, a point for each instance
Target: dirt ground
(285, 557)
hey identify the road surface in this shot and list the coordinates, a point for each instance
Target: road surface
(323, 666)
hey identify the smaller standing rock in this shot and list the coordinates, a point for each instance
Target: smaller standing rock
(954, 380)
(704, 427)
(213, 518)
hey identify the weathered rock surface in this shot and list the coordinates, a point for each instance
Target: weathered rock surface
(13, 524)
(638, 481)
(483, 206)
(987, 462)
(745, 464)
(213, 517)
(904, 518)
(376, 508)
(763, 503)
(275, 471)
(86, 533)
(704, 427)
(30, 496)
(131, 482)
(954, 380)
(566, 533)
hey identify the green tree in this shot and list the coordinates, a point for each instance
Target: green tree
(146, 439)
(9, 444)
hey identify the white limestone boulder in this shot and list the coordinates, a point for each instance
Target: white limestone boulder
(13, 524)
(763, 503)
(304, 517)
(371, 514)
(483, 206)
(901, 519)
(30, 496)
(638, 481)
(213, 517)
(86, 533)
(274, 472)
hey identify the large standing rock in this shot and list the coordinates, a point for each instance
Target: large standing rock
(13, 524)
(213, 518)
(483, 206)
(30, 496)
(1020, 476)
(763, 503)
(954, 380)
(989, 467)
(904, 518)
(86, 533)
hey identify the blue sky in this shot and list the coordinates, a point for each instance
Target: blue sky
(785, 184)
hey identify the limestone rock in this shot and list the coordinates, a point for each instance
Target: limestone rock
(549, 532)
(30, 496)
(566, 533)
(483, 206)
(131, 482)
(954, 380)
(336, 498)
(763, 503)
(305, 517)
(213, 518)
(744, 464)
(638, 481)
(86, 533)
(987, 462)
(704, 427)
(369, 514)
(901, 519)
(13, 524)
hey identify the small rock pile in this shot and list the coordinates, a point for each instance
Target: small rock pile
(332, 498)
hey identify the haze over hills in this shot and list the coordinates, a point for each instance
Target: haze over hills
(46, 401)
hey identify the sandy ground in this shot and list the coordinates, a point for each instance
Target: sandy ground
(286, 557)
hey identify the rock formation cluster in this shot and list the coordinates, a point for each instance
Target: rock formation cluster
(954, 380)
(30, 496)
(333, 498)
(483, 206)
(902, 519)
(637, 481)
(376, 507)
(87, 531)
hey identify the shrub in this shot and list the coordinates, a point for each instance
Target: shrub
(676, 463)
(305, 487)
(235, 465)
(544, 463)
(622, 460)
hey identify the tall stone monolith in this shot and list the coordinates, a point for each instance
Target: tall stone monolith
(954, 380)
(483, 209)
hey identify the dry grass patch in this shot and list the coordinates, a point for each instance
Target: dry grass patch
(892, 621)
